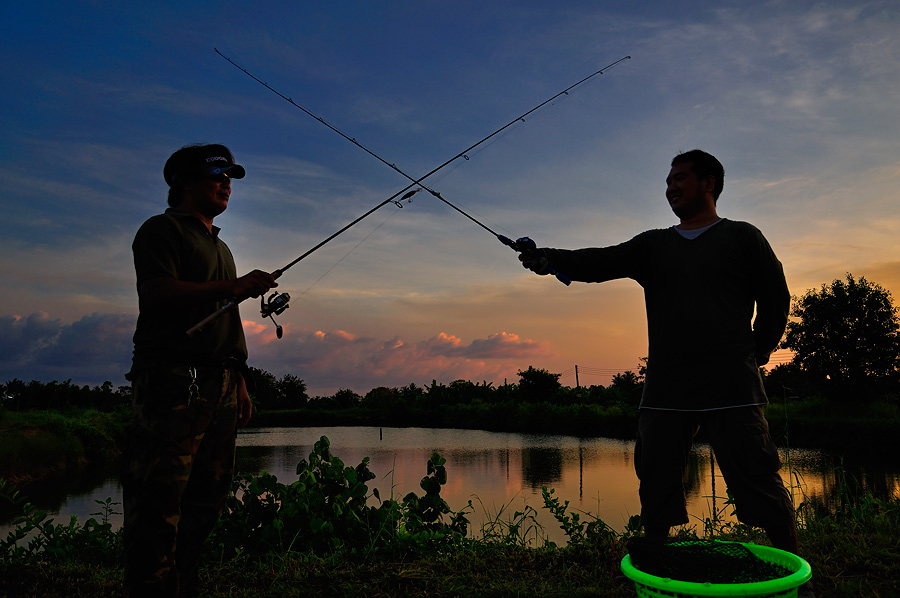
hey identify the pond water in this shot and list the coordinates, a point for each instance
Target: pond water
(499, 472)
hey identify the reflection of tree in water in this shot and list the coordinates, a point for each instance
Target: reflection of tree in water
(541, 466)
(696, 470)
(255, 459)
(849, 478)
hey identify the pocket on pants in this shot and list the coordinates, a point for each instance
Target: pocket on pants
(749, 442)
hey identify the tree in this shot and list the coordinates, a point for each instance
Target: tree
(847, 336)
(382, 397)
(537, 385)
(291, 392)
(628, 386)
(265, 392)
(788, 380)
(346, 398)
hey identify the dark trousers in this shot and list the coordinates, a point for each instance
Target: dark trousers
(177, 474)
(745, 453)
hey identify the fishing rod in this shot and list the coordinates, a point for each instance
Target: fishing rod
(521, 244)
(276, 304)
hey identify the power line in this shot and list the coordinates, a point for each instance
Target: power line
(579, 371)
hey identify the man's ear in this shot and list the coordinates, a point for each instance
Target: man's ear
(709, 183)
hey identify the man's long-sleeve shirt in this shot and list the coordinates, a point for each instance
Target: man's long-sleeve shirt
(705, 345)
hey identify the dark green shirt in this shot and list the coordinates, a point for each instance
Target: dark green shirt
(705, 345)
(179, 246)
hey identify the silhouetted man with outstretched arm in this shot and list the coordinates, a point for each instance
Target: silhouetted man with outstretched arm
(703, 280)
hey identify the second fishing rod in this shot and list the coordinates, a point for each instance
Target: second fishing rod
(276, 304)
(517, 245)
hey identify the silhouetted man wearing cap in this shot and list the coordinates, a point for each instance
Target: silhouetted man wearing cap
(189, 394)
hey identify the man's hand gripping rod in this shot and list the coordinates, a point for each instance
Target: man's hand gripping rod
(273, 306)
(277, 304)
(527, 246)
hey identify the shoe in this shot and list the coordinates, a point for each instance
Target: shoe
(806, 591)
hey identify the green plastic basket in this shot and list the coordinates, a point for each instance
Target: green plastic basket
(651, 586)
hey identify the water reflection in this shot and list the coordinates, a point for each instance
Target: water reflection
(497, 472)
(541, 466)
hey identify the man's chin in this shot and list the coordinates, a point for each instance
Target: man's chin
(684, 213)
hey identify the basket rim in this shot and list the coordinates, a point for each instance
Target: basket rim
(802, 574)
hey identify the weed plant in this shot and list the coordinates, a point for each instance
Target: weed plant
(325, 511)
(36, 539)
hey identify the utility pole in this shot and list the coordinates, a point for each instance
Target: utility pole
(576, 376)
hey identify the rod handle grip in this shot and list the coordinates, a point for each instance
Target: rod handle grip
(561, 277)
(193, 330)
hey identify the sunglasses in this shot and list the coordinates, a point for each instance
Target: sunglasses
(216, 173)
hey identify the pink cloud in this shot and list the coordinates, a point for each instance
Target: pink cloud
(98, 347)
(337, 359)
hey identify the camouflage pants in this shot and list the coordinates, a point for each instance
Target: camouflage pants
(177, 474)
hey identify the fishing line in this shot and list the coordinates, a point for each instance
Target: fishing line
(346, 255)
(522, 244)
(462, 154)
(276, 303)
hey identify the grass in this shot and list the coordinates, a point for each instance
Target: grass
(470, 570)
(853, 547)
(847, 562)
(853, 544)
(34, 444)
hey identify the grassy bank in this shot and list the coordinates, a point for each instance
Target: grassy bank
(37, 444)
(614, 421)
(853, 548)
(852, 425)
(807, 423)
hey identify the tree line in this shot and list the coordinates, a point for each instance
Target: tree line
(290, 392)
(844, 337)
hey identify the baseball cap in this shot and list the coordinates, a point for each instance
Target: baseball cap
(201, 160)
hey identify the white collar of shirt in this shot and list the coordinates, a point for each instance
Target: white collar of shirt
(695, 232)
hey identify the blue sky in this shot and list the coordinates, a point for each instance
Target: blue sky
(798, 100)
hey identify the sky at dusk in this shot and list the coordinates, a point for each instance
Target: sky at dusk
(798, 99)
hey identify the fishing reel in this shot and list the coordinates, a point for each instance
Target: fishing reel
(273, 306)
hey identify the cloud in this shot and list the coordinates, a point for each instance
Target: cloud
(91, 350)
(23, 337)
(98, 347)
(340, 359)
(496, 346)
